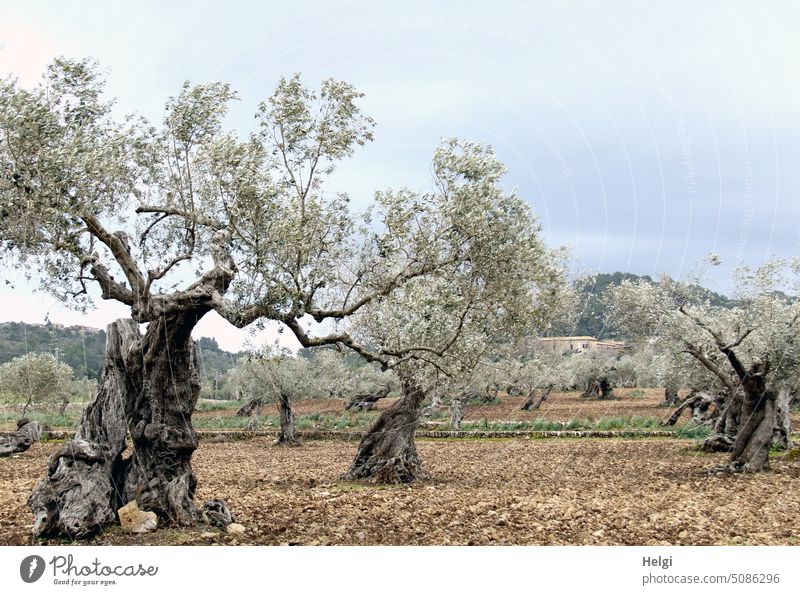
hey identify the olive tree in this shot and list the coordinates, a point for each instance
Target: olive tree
(183, 218)
(35, 380)
(502, 283)
(748, 351)
(272, 376)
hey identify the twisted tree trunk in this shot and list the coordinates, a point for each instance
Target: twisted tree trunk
(599, 388)
(252, 407)
(750, 452)
(28, 432)
(159, 474)
(387, 452)
(726, 426)
(671, 396)
(288, 435)
(699, 403)
(528, 404)
(366, 402)
(758, 419)
(85, 476)
(148, 390)
(456, 414)
(783, 426)
(535, 401)
(604, 388)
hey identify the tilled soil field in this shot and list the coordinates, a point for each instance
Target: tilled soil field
(553, 492)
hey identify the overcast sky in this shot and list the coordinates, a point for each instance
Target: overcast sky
(644, 134)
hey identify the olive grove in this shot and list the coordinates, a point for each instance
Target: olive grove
(183, 217)
(740, 362)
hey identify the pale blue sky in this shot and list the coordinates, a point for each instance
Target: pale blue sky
(644, 134)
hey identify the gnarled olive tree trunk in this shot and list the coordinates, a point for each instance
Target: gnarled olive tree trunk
(763, 410)
(671, 395)
(28, 432)
(288, 435)
(699, 403)
(535, 401)
(366, 401)
(598, 388)
(148, 391)
(159, 474)
(85, 476)
(750, 450)
(251, 408)
(456, 413)
(387, 452)
(726, 426)
(783, 426)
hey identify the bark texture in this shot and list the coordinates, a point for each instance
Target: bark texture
(85, 476)
(288, 435)
(456, 414)
(215, 512)
(387, 452)
(783, 426)
(699, 403)
(758, 417)
(750, 451)
(147, 392)
(28, 433)
(159, 474)
(726, 421)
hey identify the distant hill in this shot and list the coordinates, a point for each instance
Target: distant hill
(82, 348)
(592, 309)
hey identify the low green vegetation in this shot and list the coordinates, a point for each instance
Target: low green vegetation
(217, 405)
(360, 421)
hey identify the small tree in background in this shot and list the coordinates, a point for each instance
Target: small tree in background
(272, 376)
(36, 380)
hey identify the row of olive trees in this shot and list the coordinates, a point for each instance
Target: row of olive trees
(40, 380)
(744, 360)
(183, 218)
(276, 376)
